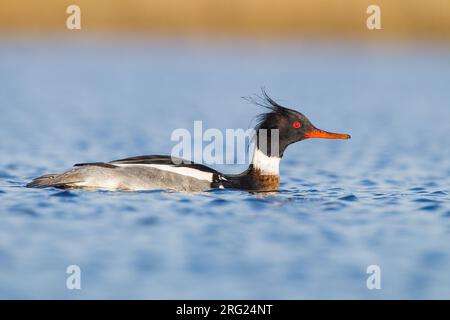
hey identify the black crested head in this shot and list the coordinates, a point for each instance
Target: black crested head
(281, 126)
(276, 129)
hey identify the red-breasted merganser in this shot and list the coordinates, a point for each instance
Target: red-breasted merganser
(157, 172)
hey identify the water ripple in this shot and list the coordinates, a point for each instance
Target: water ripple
(349, 197)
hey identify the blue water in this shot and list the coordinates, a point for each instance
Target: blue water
(381, 198)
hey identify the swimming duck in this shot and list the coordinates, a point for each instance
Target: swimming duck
(155, 172)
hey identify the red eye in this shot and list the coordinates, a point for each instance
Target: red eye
(296, 125)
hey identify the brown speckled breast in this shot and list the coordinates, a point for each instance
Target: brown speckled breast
(253, 180)
(261, 182)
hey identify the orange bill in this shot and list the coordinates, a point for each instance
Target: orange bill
(326, 135)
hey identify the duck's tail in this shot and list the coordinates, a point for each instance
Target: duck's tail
(79, 177)
(48, 180)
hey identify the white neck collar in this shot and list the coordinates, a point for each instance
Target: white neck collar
(267, 165)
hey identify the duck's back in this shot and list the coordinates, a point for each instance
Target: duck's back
(133, 174)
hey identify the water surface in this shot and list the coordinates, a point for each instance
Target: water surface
(381, 198)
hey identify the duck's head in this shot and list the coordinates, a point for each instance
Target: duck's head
(292, 127)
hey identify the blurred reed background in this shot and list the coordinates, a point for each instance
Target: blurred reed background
(401, 19)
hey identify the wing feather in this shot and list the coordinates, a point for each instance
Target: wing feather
(164, 160)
